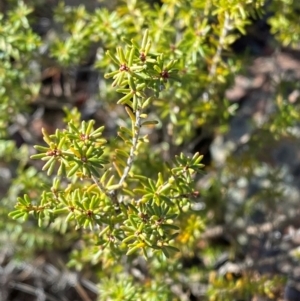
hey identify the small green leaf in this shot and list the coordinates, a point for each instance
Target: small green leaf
(150, 122)
(129, 238)
(126, 99)
(73, 170)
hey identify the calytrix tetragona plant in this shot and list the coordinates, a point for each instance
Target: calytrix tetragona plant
(95, 185)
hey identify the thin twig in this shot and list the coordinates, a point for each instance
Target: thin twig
(83, 294)
(112, 194)
(135, 138)
(92, 287)
(217, 56)
(99, 185)
(26, 288)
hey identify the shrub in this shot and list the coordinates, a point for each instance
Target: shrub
(124, 194)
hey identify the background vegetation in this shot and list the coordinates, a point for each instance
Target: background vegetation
(149, 150)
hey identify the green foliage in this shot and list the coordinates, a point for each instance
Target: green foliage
(18, 46)
(125, 222)
(285, 22)
(142, 220)
(122, 288)
(226, 288)
(120, 194)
